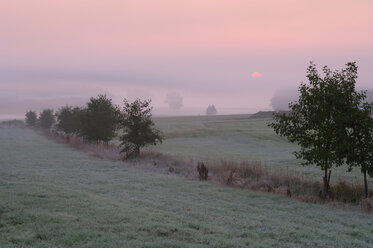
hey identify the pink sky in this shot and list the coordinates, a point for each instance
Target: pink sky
(63, 51)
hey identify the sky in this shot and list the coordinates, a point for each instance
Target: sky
(182, 54)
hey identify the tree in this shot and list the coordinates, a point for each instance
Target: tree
(46, 119)
(138, 127)
(31, 118)
(211, 110)
(99, 119)
(360, 144)
(69, 119)
(317, 121)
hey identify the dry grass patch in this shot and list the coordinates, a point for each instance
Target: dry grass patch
(367, 204)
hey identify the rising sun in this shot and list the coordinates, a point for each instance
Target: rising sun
(256, 74)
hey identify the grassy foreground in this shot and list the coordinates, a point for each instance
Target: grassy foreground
(53, 196)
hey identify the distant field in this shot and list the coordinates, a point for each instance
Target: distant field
(236, 137)
(53, 196)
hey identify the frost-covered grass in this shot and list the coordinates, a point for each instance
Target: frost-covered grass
(238, 138)
(53, 196)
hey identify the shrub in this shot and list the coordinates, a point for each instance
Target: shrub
(202, 171)
(346, 193)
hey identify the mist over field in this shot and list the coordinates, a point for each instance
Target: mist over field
(237, 56)
(165, 123)
(282, 97)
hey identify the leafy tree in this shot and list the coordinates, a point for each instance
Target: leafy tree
(317, 121)
(69, 119)
(31, 118)
(99, 119)
(360, 142)
(46, 119)
(138, 127)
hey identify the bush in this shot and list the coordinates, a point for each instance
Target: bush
(202, 171)
(346, 193)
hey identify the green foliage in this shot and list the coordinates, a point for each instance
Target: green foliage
(99, 119)
(46, 119)
(317, 121)
(31, 118)
(359, 151)
(69, 119)
(138, 127)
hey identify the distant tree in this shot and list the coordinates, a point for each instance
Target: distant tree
(138, 127)
(31, 118)
(69, 119)
(46, 119)
(174, 101)
(211, 110)
(360, 143)
(317, 121)
(99, 119)
(12, 124)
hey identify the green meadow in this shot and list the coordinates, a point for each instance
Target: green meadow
(238, 138)
(54, 196)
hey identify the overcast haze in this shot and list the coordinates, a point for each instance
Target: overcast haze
(184, 55)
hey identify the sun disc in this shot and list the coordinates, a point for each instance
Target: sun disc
(256, 74)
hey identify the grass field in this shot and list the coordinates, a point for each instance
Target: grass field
(53, 196)
(237, 138)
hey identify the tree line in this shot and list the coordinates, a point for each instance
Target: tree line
(100, 121)
(331, 122)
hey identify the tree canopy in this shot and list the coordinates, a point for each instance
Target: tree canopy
(99, 119)
(31, 118)
(46, 119)
(317, 121)
(359, 151)
(69, 119)
(138, 127)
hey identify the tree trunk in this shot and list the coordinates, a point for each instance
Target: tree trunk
(326, 186)
(365, 183)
